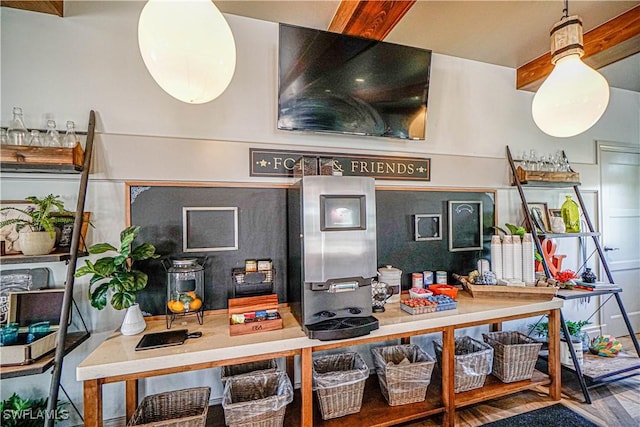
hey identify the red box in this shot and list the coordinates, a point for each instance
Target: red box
(448, 290)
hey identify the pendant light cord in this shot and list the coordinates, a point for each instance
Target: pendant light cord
(565, 10)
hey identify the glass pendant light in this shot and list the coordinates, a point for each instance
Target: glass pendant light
(574, 96)
(188, 48)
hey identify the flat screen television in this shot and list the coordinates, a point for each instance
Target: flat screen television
(330, 82)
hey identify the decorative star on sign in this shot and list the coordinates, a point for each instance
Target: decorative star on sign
(263, 163)
(421, 169)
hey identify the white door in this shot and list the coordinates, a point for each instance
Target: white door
(620, 190)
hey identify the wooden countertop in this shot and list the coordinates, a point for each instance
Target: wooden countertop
(116, 356)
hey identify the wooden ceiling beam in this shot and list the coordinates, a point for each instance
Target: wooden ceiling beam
(53, 7)
(612, 41)
(369, 19)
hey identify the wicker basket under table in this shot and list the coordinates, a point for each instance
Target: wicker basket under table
(514, 355)
(345, 372)
(268, 365)
(403, 383)
(472, 362)
(257, 399)
(180, 408)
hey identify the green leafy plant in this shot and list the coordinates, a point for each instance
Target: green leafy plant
(45, 216)
(542, 328)
(16, 411)
(115, 275)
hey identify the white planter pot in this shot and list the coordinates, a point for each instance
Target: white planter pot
(36, 242)
(565, 354)
(133, 322)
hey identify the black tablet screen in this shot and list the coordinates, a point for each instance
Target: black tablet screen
(162, 339)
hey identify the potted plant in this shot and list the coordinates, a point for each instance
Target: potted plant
(115, 276)
(575, 330)
(16, 411)
(37, 224)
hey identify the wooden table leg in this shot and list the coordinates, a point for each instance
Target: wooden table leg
(306, 381)
(92, 403)
(131, 396)
(554, 368)
(290, 368)
(448, 376)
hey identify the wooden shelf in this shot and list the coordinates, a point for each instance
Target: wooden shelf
(568, 294)
(598, 370)
(494, 388)
(39, 168)
(73, 340)
(375, 410)
(28, 259)
(565, 235)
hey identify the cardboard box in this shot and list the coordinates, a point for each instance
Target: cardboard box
(27, 308)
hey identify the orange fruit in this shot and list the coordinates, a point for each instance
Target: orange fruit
(195, 304)
(192, 295)
(176, 306)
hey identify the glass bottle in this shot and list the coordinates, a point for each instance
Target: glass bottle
(570, 215)
(17, 131)
(52, 138)
(70, 138)
(34, 139)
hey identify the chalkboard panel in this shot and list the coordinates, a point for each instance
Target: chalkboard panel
(263, 231)
(396, 210)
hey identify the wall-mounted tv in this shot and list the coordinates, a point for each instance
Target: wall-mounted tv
(330, 82)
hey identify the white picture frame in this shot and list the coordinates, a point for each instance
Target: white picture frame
(427, 227)
(465, 225)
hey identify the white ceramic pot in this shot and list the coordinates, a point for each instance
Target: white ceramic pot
(36, 242)
(565, 354)
(392, 277)
(133, 322)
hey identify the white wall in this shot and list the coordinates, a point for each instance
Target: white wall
(62, 67)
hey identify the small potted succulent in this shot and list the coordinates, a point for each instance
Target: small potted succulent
(38, 223)
(115, 276)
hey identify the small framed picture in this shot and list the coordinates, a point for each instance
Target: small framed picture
(209, 229)
(427, 227)
(465, 226)
(540, 216)
(557, 213)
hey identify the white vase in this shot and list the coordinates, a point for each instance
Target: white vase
(36, 242)
(133, 322)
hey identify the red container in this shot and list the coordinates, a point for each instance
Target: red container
(448, 290)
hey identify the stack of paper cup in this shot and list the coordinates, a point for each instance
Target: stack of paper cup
(517, 258)
(528, 259)
(496, 256)
(507, 257)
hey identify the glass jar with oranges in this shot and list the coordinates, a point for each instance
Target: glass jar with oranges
(185, 289)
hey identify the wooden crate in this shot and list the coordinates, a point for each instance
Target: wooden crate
(18, 154)
(539, 176)
(253, 304)
(544, 293)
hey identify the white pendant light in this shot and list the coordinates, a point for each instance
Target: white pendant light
(574, 96)
(188, 48)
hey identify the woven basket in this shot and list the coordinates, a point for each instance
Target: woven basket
(258, 399)
(514, 355)
(472, 362)
(245, 368)
(339, 383)
(180, 408)
(403, 383)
